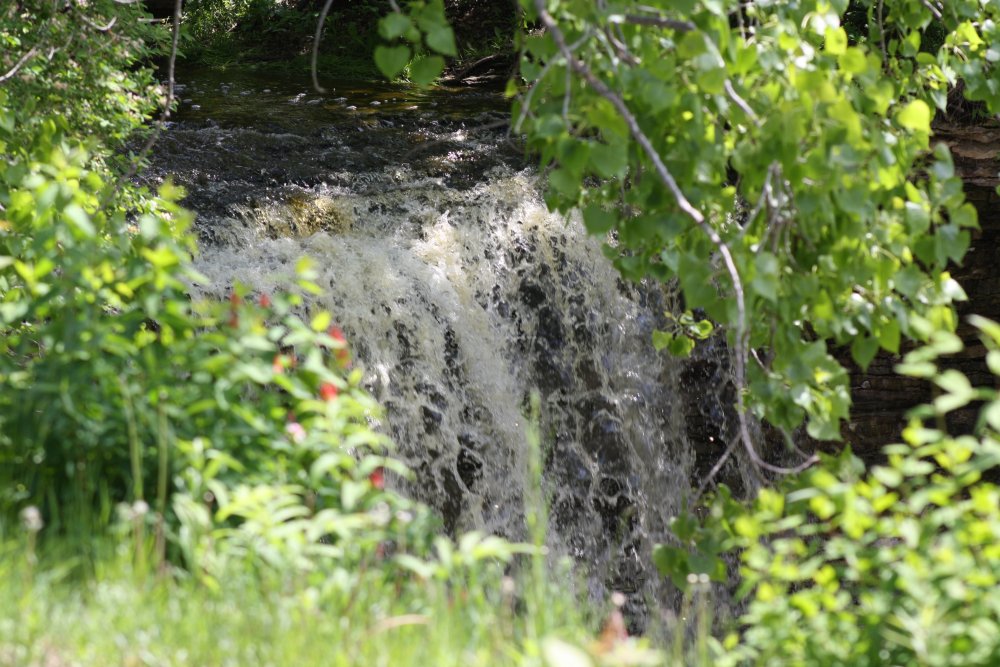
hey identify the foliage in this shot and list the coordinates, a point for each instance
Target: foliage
(243, 426)
(779, 169)
(421, 36)
(898, 565)
(222, 32)
(81, 62)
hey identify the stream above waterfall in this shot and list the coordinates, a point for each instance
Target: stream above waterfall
(460, 294)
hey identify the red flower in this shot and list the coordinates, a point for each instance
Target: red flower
(264, 301)
(341, 353)
(328, 391)
(377, 478)
(234, 303)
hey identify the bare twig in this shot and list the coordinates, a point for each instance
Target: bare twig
(19, 64)
(696, 216)
(740, 102)
(99, 28)
(316, 40)
(765, 194)
(934, 10)
(464, 72)
(620, 49)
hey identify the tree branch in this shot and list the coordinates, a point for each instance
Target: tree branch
(690, 211)
(316, 40)
(90, 24)
(19, 64)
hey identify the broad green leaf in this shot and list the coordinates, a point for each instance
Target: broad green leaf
(394, 25)
(863, 350)
(853, 61)
(836, 41)
(79, 219)
(425, 70)
(915, 116)
(442, 40)
(392, 59)
(598, 221)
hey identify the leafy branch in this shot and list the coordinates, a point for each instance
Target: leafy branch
(696, 216)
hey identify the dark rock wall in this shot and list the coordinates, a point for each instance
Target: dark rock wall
(881, 397)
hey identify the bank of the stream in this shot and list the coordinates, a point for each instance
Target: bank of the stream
(280, 36)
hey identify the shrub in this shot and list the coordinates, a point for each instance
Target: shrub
(898, 565)
(242, 425)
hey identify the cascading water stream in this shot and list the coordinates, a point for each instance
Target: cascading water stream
(460, 294)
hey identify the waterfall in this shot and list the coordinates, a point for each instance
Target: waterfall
(459, 293)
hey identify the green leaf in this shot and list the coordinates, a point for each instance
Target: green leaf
(321, 321)
(425, 70)
(394, 25)
(672, 562)
(863, 350)
(392, 59)
(681, 347)
(836, 41)
(442, 40)
(598, 221)
(915, 116)
(610, 160)
(662, 340)
(889, 335)
(765, 282)
(80, 220)
(564, 183)
(853, 61)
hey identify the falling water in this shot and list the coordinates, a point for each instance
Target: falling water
(460, 294)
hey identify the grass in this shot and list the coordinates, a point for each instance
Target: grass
(118, 615)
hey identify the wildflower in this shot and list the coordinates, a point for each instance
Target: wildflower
(295, 431)
(31, 519)
(328, 391)
(234, 304)
(377, 478)
(614, 631)
(140, 508)
(341, 353)
(264, 301)
(278, 364)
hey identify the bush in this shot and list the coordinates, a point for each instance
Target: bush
(898, 565)
(242, 425)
